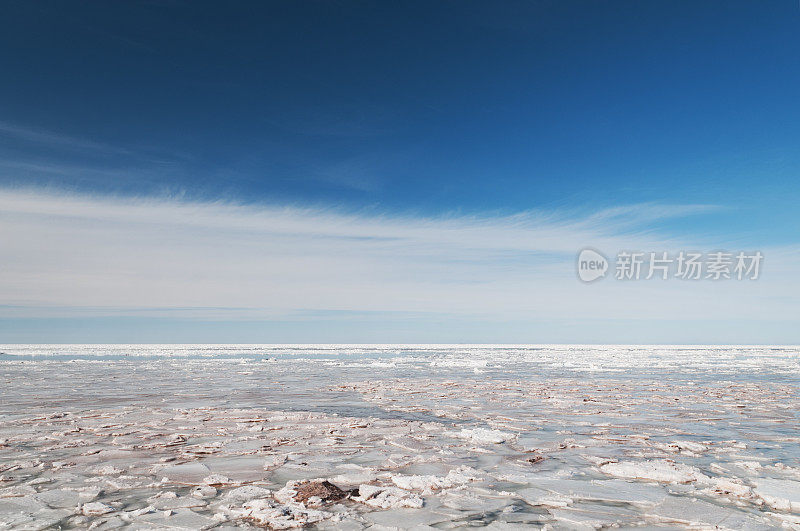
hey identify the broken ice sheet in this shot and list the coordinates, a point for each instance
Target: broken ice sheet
(581, 516)
(609, 491)
(692, 512)
(196, 437)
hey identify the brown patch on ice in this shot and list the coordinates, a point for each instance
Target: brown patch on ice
(324, 490)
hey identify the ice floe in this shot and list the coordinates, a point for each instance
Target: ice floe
(387, 497)
(274, 515)
(661, 471)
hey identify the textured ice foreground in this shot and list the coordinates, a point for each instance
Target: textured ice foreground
(336, 437)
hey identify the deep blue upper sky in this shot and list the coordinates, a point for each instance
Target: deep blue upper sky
(425, 107)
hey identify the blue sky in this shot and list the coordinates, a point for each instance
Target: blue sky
(422, 119)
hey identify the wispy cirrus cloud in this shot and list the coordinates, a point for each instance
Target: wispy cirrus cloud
(93, 255)
(51, 139)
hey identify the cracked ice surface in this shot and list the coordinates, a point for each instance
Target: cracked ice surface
(551, 437)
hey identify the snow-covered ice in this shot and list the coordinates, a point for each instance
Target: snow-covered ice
(351, 437)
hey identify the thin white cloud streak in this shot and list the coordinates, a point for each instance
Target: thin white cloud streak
(263, 262)
(530, 231)
(51, 139)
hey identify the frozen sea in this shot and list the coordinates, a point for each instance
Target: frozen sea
(406, 436)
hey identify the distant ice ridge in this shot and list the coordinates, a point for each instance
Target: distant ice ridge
(584, 358)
